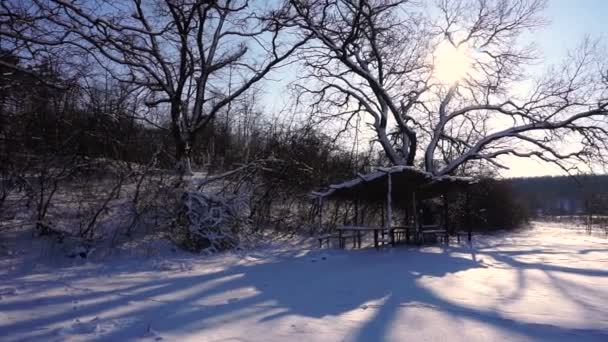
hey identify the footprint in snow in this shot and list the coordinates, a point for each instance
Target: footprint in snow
(80, 328)
(317, 259)
(152, 334)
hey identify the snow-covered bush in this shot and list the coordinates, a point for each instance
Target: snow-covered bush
(210, 223)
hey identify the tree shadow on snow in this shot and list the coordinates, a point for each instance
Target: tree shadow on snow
(317, 285)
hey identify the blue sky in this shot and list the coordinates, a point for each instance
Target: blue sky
(569, 22)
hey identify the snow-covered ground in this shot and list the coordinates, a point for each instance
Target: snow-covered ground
(547, 283)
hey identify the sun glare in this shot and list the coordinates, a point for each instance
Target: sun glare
(451, 64)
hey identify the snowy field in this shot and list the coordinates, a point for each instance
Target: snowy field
(545, 284)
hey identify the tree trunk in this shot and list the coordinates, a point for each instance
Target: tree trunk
(183, 142)
(183, 156)
(184, 163)
(388, 148)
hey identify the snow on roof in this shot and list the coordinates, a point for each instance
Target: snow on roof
(429, 179)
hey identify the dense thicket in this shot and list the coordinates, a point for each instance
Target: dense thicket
(68, 143)
(495, 205)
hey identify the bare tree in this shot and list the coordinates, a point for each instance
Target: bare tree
(368, 59)
(179, 53)
(379, 58)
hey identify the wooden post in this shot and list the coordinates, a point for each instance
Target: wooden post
(320, 214)
(406, 221)
(333, 219)
(468, 215)
(446, 217)
(376, 238)
(363, 215)
(382, 215)
(389, 209)
(415, 217)
(357, 211)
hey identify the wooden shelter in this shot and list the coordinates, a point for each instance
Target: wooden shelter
(397, 187)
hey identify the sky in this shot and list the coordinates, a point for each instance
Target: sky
(568, 23)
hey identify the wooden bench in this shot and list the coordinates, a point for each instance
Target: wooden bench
(467, 234)
(326, 238)
(341, 239)
(356, 233)
(432, 230)
(401, 233)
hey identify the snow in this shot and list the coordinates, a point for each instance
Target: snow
(384, 171)
(548, 283)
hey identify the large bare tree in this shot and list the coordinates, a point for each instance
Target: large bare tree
(361, 61)
(379, 59)
(191, 58)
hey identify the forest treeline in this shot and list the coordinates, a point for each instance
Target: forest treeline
(42, 112)
(562, 195)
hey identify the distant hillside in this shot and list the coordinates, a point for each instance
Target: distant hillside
(560, 195)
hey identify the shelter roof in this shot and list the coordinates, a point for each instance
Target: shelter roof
(405, 180)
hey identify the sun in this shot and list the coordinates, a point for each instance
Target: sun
(451, 64)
